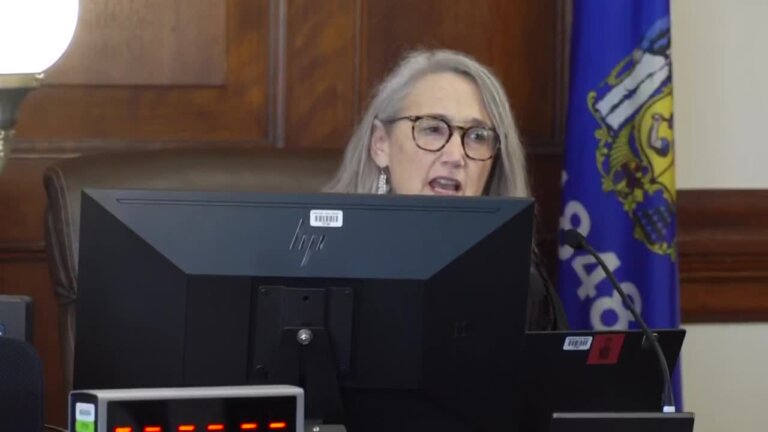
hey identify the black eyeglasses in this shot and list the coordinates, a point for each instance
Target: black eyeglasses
(433, 133)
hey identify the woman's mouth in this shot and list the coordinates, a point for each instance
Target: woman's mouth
(445, 186)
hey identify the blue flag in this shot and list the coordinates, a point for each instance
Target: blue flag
(618, 181)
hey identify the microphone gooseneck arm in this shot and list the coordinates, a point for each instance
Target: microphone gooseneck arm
(577, 241)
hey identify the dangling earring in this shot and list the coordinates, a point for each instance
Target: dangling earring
(382, 187)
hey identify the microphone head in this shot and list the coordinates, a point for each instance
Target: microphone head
(574, 239)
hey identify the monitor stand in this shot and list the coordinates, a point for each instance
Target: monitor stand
(306, 360)
(292, 345)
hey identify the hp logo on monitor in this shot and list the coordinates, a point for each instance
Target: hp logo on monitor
(306, 241)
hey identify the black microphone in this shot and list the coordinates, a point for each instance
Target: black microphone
(577, 241)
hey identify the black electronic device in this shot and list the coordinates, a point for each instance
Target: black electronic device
(196, 409)
(397, 312)
(16, 317)
(589, 371)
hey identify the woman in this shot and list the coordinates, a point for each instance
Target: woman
(440, 123)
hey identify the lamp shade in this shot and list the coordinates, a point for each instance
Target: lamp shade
(35, 33)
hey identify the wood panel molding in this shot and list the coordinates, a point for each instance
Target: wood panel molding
(58, 149)
(10, 250)
(320, 72)
(234, 111)
(146, 42)
(723, 241)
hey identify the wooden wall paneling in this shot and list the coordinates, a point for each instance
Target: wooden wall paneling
(146, 42)
(545, 161)
(515, 38)
(544, 168)
(723, 240)
(321, 72)
(22, 201)
(62, 117)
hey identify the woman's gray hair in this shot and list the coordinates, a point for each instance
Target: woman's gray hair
(359, 173)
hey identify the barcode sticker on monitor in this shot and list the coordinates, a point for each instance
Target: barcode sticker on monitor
(326, 218)
(577, 343)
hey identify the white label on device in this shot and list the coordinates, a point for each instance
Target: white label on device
(326, 218)
(85, 412)
(577, 343)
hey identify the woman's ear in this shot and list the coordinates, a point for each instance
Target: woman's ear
(380, 144)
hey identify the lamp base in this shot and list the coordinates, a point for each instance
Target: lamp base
(13, 89)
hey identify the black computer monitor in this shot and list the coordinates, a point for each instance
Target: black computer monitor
(390, 311)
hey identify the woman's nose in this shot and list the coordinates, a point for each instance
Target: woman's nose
(453, 152)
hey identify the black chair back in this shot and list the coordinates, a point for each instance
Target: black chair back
(21, 387)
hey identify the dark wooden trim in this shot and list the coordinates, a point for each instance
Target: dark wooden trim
(320, 53)
(238, 110)
(725, 298)
(723, 241)
(57, 149)
(277, 70)
(22, 251)
(541, 148)
(564, 12)
(359, 14)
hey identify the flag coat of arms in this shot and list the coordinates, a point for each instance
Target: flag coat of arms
(618, 177)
